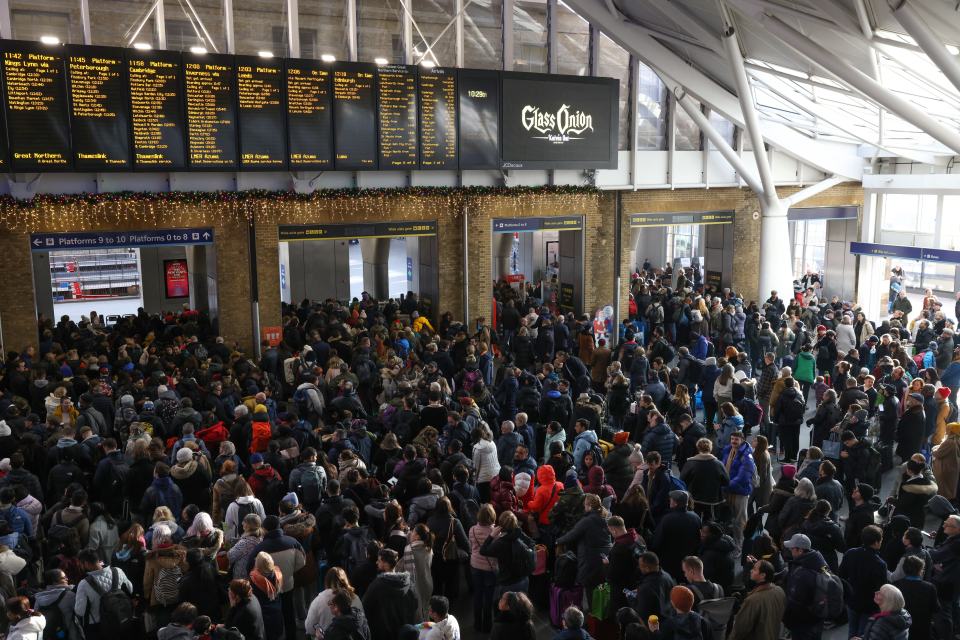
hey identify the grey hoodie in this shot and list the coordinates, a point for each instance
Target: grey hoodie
(175, 632)
(420, 508)
(48, 597)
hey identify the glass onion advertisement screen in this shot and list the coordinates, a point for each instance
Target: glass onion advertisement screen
(550, 122)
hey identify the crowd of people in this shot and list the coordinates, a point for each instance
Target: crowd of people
(360, 478)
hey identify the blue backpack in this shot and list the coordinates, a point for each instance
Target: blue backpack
(676, 484)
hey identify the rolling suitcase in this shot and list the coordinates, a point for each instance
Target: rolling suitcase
(560, 599)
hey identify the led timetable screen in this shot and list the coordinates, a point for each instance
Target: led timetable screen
(94, 109)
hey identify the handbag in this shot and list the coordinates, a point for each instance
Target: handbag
(450, 551)
(541, 565)
(832, 446)
(600, 602)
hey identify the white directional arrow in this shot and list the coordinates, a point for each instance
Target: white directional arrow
(36, 242)
(206, 235)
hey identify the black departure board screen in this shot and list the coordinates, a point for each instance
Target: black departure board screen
(156, 113)
(561, 122)
(478, 94)
(309, 110)
(260, 113)
(4, 145)
(35, 102)
(208, 92)
(99, 116)
(355, 116)
(397, 103)
(438, 119)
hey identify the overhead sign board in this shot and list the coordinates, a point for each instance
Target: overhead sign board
(673, 219)
(823, 213)
(107, 239)
(551, 223)
(299, 232)
(885, 250)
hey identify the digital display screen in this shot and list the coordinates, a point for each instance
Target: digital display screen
(260, 113)
(99, 114)
(156, 112)
(397, 101)
(479, 101)
(309, 115)
(35, 103)
(559, 122)
(438, 119)
(355, 116)
(208, 82)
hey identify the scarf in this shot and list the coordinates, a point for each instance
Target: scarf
(265, 584)
(730, 457)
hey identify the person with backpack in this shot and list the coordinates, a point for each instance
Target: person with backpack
(266, 483)
(103, 603)
(788, 413)
(593, 543)
(110, 478)
(514, 553)
(685, 624)
(803, 589)
(865, 572)
(309, 399)
(308, 479)
(56, 603)
(162, 492)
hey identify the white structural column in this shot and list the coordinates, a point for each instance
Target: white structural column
(908, 16)
(776, 269)
(863, 83)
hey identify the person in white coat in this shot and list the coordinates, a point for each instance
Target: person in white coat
(846, 337)
(25, 623)
(443, 626)
(485, 461)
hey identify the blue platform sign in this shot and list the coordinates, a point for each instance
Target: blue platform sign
(940, 255)
(113, 239)
(552, 223)
(885, 250)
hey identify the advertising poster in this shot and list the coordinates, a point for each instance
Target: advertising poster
(177, 279)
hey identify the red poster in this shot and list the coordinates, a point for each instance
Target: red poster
(177, 278)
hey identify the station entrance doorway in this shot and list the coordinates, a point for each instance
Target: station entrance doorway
(115, 273)
(819, 239)
(541, 257)
(341, 261)
(700, 243)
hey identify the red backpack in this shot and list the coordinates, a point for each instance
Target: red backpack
(261, 437)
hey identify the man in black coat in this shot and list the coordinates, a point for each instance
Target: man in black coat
(801, 588)
(863, 506)
(391, 600)
(677, 535)
(865, 572)
(653, 591)
(920, 598)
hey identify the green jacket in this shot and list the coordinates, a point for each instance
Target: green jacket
(804, 369)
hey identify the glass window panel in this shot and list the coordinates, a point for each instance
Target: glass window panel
(323, 29)
(928, 214)
(30, 20)
(615, 63)
(651, 110)
(912, 272)
(115, 22)
(379, 34)
(939, 276)
(573, 42)
(724, 127)
(434, 19)
(261, 26)
(688, 133)
(950, 236)
(202, 27)
(530, 35)
(900, 212)
(482, 34)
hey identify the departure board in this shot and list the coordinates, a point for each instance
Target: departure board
(208, 88)
(397, 113)
(4, 146)
(309, 110)
(99, 116)
(156, 113)
(438, 119)
(355, 116)
(478, 95)
(260, 113)
(35, 103)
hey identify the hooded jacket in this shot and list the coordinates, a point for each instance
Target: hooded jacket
(391, 602)
(49, 596)
(547, 493)
(161, 492)
(705, 477)
(801, 589)
(894, 625)
(286, 552)
(593, 542)
(193, 478)
(348, 626)
(597, 484)
(581, 444)
(618, 469)
(503, 497)
(29, 628)
(742, 469)
(485, 460)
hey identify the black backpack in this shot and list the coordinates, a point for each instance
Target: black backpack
(793, 410)
(355, 552)
(116, 607)
(273, 492)
(565, 570)
(56, 628)
(525, 556)
(243, 510)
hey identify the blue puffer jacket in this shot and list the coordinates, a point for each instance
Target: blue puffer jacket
(581, 444)
(660, 438)
(741, 471)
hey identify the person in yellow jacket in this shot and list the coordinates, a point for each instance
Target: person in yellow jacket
(419, 322)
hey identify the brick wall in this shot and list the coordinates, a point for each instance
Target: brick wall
(18, 305)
